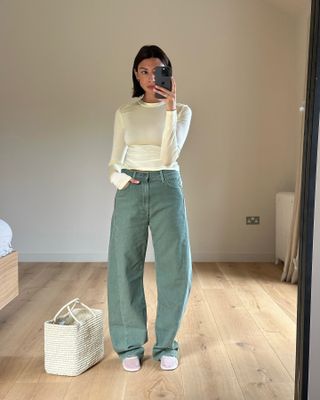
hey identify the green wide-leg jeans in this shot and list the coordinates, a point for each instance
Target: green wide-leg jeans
(157, 201)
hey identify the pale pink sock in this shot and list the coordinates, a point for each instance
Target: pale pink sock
(131, 363)
(169, 362)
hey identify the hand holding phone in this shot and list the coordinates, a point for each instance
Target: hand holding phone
(167, 88)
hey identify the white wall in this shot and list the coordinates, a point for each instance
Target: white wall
(65, 68)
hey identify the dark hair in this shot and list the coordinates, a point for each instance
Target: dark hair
(147, 51)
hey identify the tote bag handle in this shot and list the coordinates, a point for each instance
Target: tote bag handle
(75, 301)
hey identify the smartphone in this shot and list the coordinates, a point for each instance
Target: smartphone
(163, 78)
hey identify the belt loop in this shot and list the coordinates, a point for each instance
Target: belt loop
(134, 173)
(161, 174)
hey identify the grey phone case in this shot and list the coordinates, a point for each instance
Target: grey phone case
(163, 78)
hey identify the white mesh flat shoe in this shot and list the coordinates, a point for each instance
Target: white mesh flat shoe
(131, 364)
(169, 362)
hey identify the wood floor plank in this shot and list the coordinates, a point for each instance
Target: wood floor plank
(198, 317)
(254, 361)
(283, 296)
(231, 316)
(269, 278)
(268, 391)
(50, 391)
(268, 315)
(32, 371)
(285, 350)
(10, 368)
(210, 276)
(152, 383)
(207, 370)
(80, 386)
(109, 380)
(21, 391)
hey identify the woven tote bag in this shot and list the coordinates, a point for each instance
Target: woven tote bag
(74, 341)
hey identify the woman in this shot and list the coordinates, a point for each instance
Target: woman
(148, 137)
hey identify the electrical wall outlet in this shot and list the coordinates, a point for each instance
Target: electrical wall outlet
(252, 220)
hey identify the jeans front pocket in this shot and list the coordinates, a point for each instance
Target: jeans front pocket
(125, 188)
(174, 181)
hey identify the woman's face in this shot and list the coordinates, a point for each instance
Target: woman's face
(145, 73)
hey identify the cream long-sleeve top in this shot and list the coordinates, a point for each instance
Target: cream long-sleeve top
(147, 137)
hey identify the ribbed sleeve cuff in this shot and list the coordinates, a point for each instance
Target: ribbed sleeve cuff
(120, 179)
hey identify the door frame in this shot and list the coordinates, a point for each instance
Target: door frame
(308, 184)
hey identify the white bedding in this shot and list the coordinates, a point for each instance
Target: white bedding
(5, 238)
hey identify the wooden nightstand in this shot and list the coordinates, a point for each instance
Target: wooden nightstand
(9, 281)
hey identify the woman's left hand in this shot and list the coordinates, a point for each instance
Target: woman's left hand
(170, 96)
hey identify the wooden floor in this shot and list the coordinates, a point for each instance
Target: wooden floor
(237, 338)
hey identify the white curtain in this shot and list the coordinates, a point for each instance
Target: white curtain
(290, 269)
(291, 264)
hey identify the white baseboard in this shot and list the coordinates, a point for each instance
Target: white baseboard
(62, 257)
(233, 257)
(102, 257)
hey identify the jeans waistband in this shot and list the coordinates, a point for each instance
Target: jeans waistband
(161, 174)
